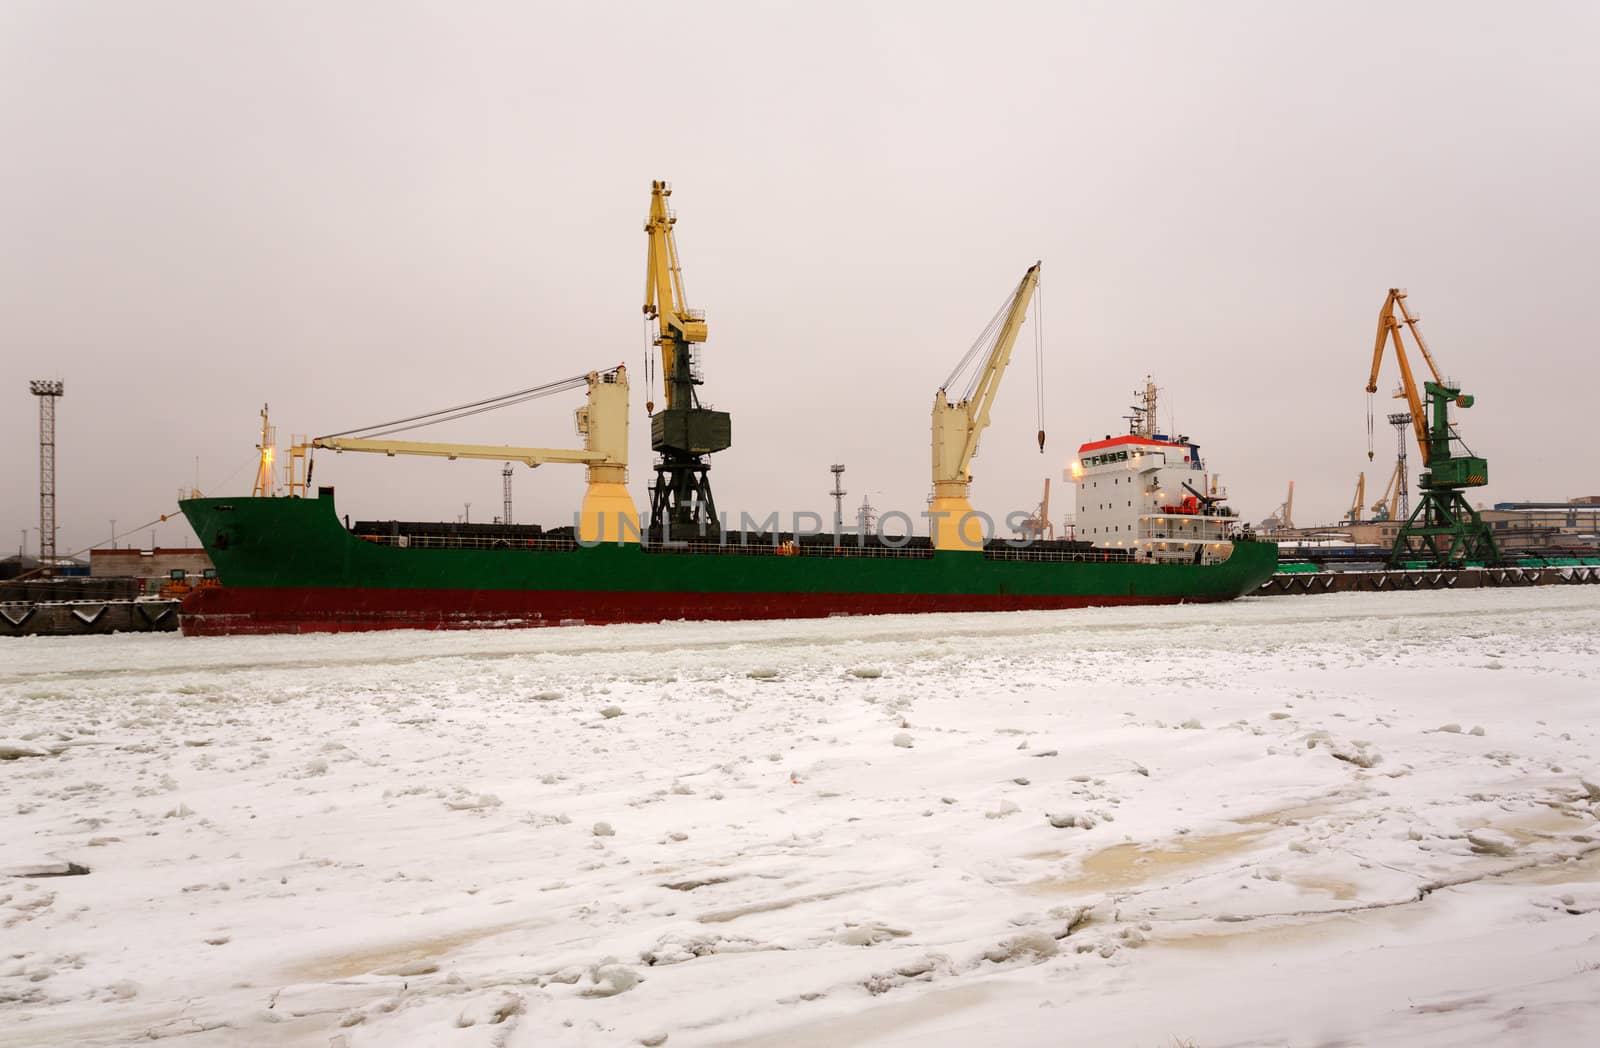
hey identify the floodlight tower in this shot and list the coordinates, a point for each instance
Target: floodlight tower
(1400, 420)
(838, 493)
(47, 390)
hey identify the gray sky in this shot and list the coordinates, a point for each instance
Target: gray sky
(357, 211)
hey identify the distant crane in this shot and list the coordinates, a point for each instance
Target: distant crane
(1445, 529)
(1384, 508)
(1353, 514)
(958, 426)
(1282, 518)
(1039, 525)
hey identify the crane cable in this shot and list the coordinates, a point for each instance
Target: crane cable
(1038, 358)
(649, 368)
(460, 411)
(979, 347)
(1369, 427)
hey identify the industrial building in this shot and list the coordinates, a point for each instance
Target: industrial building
(152, 567)
(1527, 525)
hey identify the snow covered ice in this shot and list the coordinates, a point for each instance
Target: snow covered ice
(1347, 819)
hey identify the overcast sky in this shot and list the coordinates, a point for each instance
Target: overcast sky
(356, 211)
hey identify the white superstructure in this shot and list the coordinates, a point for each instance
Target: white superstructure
(1150, 494)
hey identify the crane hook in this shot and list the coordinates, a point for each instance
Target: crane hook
(1041, 442)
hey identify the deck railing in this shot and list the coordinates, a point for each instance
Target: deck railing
(753, 549)
(546, 543)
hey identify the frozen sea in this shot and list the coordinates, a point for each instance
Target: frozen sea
(1349, 819)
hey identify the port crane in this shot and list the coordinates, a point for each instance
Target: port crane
(608, 513)
(1039, 526)
(958, 426)
(1282, 518)
(1353, 514)
(684, 432)
(1444, 529)
(1384, 509)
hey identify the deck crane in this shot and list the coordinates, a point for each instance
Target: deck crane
(683, 432)
(608, 513)
(1444, 528)
(1353, 514)
(957, 427)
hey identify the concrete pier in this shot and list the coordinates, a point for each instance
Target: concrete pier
(79, 617)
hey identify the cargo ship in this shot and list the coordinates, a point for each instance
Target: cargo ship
(288, 564)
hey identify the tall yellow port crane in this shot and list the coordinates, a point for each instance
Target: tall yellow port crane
(958, 426)
(608, 513)
(683, 433)
(1444, 529)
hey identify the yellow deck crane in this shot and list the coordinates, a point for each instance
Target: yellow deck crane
(957, 427)
(608, 513)
(683, 432)
(1353, 515)
(1444, 530)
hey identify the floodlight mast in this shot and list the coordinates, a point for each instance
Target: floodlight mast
(48, 391)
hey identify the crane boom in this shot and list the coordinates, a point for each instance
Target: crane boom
(608, 512)
(526, 456)
(678, 326)
(1389, 327)
(958, 427)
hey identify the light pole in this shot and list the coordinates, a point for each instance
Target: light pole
(113, 532)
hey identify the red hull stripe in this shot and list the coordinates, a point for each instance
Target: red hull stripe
(224, 610)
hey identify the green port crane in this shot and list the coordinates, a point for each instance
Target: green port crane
(1444, 530)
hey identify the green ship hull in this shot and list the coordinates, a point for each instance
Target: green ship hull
(287, 565)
